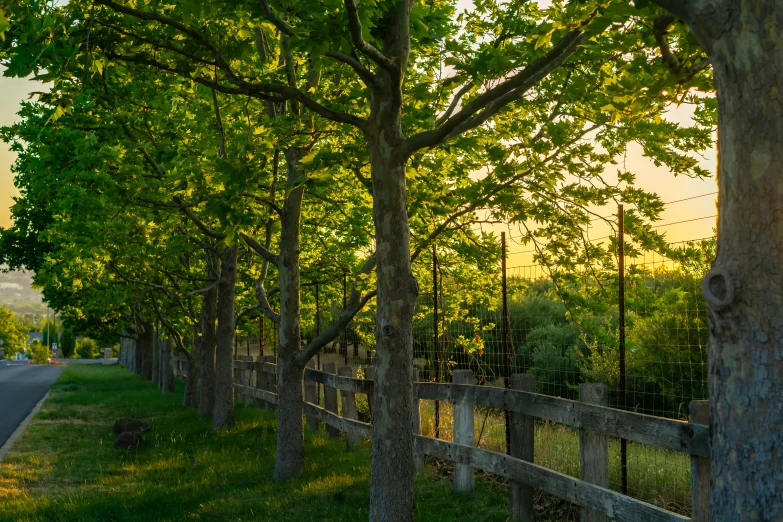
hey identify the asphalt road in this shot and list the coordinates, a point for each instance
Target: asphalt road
(21, 387)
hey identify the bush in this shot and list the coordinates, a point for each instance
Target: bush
(87, 349)
(40, 353)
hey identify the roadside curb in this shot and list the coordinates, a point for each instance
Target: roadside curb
(19, 431)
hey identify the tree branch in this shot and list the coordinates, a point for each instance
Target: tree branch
(660, 30)
(168, 326)
(355, 26)
(681, 8)
(262, 91)
(281, 25)
(179, 26)
(219, 119)
(200, 224)
(490, 102)
(354, 305)
(262, 199)
(259, 248)
(264, 304)
(454, 102)
(364, 73)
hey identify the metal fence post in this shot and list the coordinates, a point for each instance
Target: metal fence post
(621, 310)
(435, 347)
(506, 341)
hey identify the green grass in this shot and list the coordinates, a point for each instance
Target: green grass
(65, 467)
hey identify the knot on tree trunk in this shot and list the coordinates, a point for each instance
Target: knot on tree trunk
(718, 289)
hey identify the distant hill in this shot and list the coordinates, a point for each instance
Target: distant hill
(17, 293)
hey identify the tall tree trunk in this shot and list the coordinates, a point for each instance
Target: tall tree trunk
(391, 479)
(744, 288)
(207, 356)
(190, 399)
(223, 414)
(145, 346)
(391, 490)
(166, 369)
(156, 349)
(290, 456)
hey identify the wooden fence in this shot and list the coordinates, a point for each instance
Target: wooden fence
(255, 381)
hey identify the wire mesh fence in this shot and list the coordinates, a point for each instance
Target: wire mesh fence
(563, 332)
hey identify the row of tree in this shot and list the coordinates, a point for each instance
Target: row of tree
(198, 163)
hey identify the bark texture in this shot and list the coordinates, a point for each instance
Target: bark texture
(744, 289)
(223, 414)
(190, 399)
(156, 349)
(166, 368)
(146, 342)
(290, 456)
(207, 356)
(391, 483)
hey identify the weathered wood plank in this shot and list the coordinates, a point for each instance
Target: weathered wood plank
(340, 383)
(311, 390)
(261, 383)
(593, 450)
(249, 391)
(464, 426)
(349, 408)
(330, 399)
(369, 377)
(665, 433)
(613, 504)
(418, 458)
(522, 447)
(700, 468)
(338, 423)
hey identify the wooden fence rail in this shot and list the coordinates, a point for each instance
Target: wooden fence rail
(594, 420)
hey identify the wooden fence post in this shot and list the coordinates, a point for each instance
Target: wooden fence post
(270, 379)
(593, 450)
(418, 458)
(521, 446)
(310, 390)
(700, 468)
(330, 400)
(349, 408)
(369, 375)
(260, 381)
(464, 476)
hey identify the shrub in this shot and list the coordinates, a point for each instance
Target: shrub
(40, 353)
(87, 349)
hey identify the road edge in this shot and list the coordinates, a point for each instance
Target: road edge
(19, 431)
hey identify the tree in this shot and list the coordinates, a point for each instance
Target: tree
(744, 288)
(67, 343)
(12, 331)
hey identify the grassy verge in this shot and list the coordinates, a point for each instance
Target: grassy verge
(65, 467)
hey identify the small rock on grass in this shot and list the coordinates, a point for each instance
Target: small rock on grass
(130, 424)
(128, 439)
